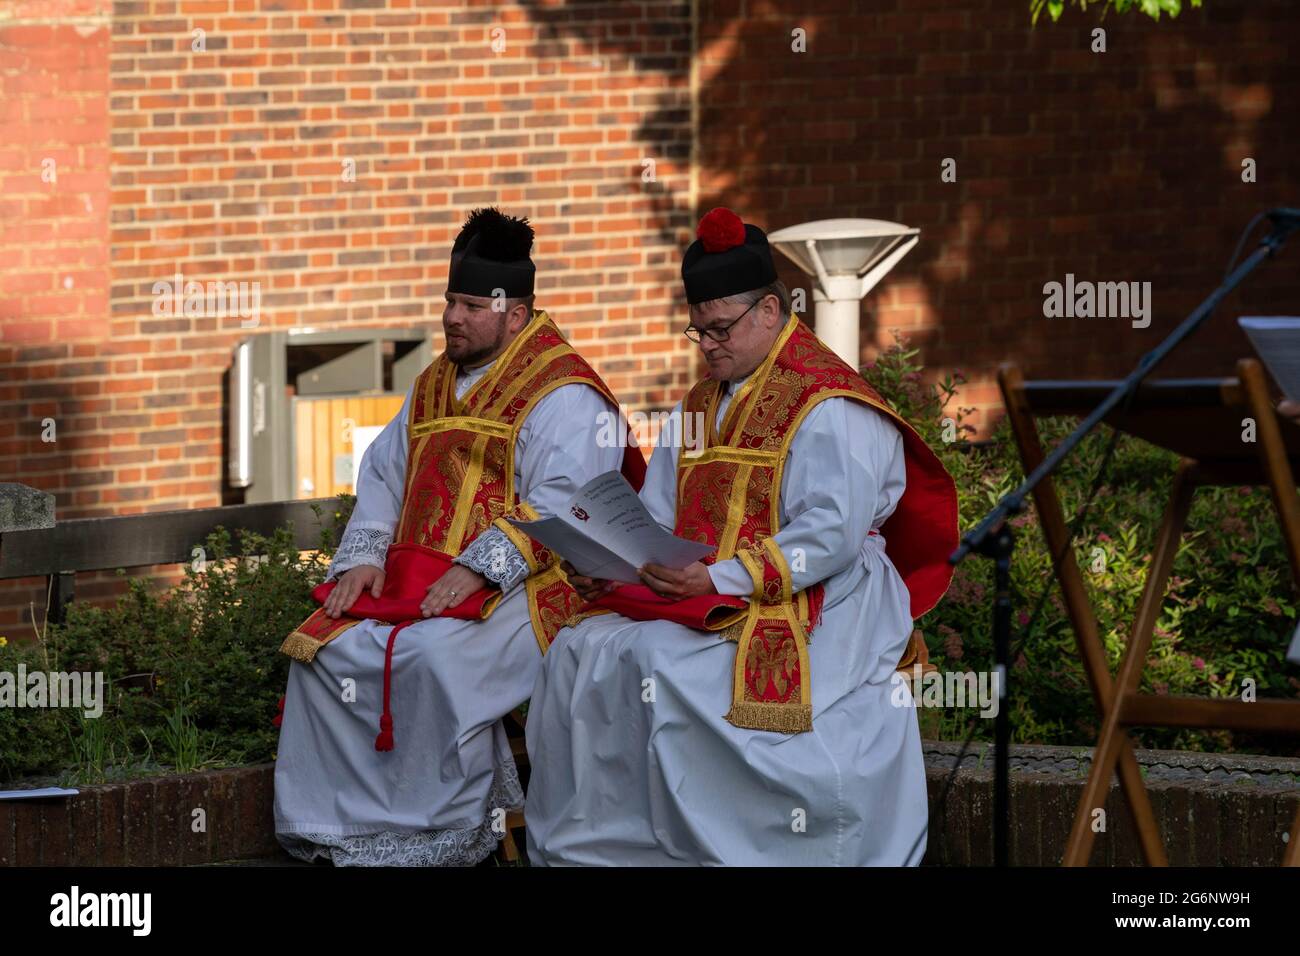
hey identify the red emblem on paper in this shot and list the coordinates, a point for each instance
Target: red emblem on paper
(579, 513)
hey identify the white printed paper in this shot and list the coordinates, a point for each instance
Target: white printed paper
(608, 533)
(35, 794)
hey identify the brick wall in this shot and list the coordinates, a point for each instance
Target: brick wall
(232, 154)
(1117, 166)
(227, 163)
(54, 255)
(1206, 819)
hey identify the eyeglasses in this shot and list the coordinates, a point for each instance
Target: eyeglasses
(719, 333)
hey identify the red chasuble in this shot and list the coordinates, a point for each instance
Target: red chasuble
(460, 481)
(728, 496)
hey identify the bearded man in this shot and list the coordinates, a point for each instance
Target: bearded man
(504, 423)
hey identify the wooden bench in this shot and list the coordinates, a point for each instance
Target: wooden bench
(33, 544)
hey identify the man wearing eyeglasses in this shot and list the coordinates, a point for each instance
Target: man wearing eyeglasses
(743, 710)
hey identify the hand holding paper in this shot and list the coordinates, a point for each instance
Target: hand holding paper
(693, 580)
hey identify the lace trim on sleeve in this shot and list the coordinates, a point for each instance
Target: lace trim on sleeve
(495, 556)
(360, 546)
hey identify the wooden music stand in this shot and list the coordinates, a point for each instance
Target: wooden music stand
(1201, 420)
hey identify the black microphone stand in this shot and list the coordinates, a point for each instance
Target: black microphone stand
(993, 538)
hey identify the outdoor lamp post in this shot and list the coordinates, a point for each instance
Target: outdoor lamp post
(845, 258)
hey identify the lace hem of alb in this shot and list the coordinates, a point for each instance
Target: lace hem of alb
(466, 847)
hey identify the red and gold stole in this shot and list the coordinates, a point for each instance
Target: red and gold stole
(460, 481)
(728, 495)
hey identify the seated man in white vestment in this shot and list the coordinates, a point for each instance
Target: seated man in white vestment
(739, 711)
(436, 612)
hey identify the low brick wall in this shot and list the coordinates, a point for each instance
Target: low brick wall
(1213, 811)
(145, 822)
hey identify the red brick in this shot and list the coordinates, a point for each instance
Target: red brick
(83, 828)
(139, 819)
(167, 811)
(27, 832)
(56, 848)
(8, 816)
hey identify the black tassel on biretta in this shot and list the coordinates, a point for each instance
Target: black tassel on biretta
(491, 253)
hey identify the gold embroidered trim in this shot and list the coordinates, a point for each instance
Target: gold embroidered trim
(469, 487)
(781, 718)
(803, 610)
(579, 616)
(755, 570)
(711, 412)
(430, 380)
(774, 555)
(533, 584)
(735, 512)
(796, 627)
(734, 630)
(734, 423)
(520, 540)
(468, 423)
(741, 456)
(526, 376)
(301, 647)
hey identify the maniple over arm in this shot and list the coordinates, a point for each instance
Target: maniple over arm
(845, 462)
(380, 482)
(556, 453)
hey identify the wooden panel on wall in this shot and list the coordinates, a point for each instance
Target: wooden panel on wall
(321, 438)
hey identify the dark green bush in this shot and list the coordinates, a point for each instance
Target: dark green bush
(193, 675)
(1227, 617)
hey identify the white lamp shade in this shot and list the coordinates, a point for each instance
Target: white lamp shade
(845, 246)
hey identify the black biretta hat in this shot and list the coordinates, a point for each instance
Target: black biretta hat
(727, 257)
(491, 253)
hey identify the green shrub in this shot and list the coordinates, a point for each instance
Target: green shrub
(1227, 616)
(193, 675)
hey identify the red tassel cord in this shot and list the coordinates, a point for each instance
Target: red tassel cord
(384, 742)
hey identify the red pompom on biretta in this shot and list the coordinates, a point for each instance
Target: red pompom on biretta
(720, 230)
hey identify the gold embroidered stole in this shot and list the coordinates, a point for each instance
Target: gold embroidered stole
(729, 496)
(460, 476)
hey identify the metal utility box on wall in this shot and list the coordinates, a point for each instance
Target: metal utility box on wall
(301, 401)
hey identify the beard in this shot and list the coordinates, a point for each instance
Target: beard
(473, 353)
